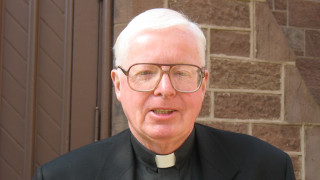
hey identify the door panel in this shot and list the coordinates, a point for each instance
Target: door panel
(53, 64)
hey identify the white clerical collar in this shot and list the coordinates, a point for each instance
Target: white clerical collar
(165, 161)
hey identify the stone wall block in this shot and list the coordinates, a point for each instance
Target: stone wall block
(271, 44)
(125, 10)
(313, 42)
(312, 160)
(300, 106)
(304, 14)
(226, 74)
(231, 43)
(280, 4)
(247, 106)
(295, 37)
(281, 17)
(286, 137)
(120, 121)
(215, 12)
(206, 105)
(297, 165)
(310, 72)
(228, 126)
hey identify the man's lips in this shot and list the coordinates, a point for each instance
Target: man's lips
(163, 111)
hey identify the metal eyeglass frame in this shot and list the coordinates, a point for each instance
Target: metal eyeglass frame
(161, 75)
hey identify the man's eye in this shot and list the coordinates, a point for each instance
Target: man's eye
(181, 73)
(145, 73)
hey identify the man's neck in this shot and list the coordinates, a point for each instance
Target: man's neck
(163, 146)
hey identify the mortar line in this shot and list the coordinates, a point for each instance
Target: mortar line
(225, 28)
(250, 128)
(302, 140)
(166, 4)
(208, 67)
(293, 153)
(228, 57)
(212, 106)
(252, 28)
(270, 92)
(282, 88)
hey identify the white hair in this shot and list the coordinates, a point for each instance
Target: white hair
(159, 18)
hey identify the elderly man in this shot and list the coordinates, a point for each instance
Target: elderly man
(160, 81)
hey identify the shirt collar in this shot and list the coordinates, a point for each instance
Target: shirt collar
(148, 158)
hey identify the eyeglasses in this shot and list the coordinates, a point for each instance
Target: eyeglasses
(144, 77)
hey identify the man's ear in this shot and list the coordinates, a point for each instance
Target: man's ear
(204, 83)
(116, 82)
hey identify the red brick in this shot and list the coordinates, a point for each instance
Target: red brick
(125, 10)
(215, 12)
(304, 14)
(281, 17)
(312, 160)
(232, 43)
(313, 42)
(299, 53)
(120, 121)
(286, 137)
(280, 4)
(246, 106)
(295, 38)
(310, 72)
(206, 106)
(300, 105)
(271, 44)
(297, 165)
(270, 4)
(226, 74)
(227, 126)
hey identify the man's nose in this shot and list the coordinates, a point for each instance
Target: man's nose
(165, 87)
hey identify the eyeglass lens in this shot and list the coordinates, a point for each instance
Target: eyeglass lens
(145, 77)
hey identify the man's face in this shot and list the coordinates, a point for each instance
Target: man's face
(163, 114)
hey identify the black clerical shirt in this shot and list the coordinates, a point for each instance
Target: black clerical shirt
(187, 165)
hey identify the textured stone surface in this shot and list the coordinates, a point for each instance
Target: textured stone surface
(280, 4)
(310, 72)
(270, 4)
(295, 38)
(281, 17)
(226, 74)
(125, 10)
(313, 42)
(300, 106)
(120, 121)
(297, 165)
(215, 12)
(304, 14)
(286, 137)
(312, 162)
(228, 126)
(206, 105)
(232, 43)
(246, 106)
(271, 43)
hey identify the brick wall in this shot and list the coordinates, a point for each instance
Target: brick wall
(264, 64)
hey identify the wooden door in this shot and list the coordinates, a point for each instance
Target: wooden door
(54, 58)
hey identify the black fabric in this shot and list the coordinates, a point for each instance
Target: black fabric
(146, 168)
(222, 155)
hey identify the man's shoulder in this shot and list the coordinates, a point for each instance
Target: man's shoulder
(85, 159)
(238, 144)
(251, 157)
